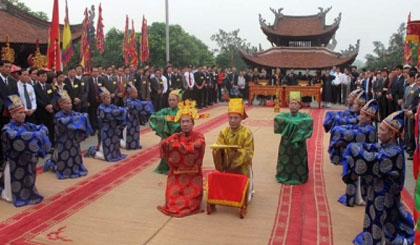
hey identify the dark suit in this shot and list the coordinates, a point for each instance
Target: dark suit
(93, 99)
(74, 91)
(200, 79)
(45, 97)
(411, 100)
(156, 85)
(396, 89)
(5, 91)
(382, 86)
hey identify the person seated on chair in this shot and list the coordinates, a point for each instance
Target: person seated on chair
(22, 143)
(295, 127)
(382, 166)
(343, 135)
(111, 120)
(71, 128)
(235, 160)
(184, 153)
(136, 109)
(164, 128)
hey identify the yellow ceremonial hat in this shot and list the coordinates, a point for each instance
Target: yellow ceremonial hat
(177, 92)
(295, 95)
(236, 105)
(187, 108)
(62, 96)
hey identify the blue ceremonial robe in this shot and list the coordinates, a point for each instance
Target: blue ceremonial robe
(70, 130)
(111, 121)
(136, 108)
(341, 136)
(383, 168)
(334, 118)
(22, 145)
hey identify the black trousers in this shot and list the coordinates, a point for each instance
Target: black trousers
(336, 94)
(392, 106)
(156, 101)
(383, 107)
(198, 97)
(93, 117)
(409, 141)
(3, 121)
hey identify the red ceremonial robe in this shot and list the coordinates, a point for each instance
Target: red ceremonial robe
(184, 187)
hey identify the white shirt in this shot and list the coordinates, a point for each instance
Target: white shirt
(31, 94)
(241, 82)
(165, 84)
(188, 76)
(344, 79)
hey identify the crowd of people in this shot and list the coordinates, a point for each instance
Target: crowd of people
(44, 112)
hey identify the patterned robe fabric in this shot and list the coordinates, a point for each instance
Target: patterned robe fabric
(383, 168)
(164, 129)
(292, 160)
(341, 136)
(70, 130)
(136, 108)
(111, 120)
(334, 118)
(22, 145)
(184, 188)
(235, 160)
(416, 163)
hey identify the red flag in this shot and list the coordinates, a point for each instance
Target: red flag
(144, 41)
(126, 43)
(53, 54)
(85, 44)
(133, 48)
(100, 38)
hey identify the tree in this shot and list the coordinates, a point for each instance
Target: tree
(39, 14)
(185, 49)
(387, 57)
(228, 54)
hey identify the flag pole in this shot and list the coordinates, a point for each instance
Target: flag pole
(167, 31)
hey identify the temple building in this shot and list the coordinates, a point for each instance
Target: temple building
(24, 30)
(301, 42)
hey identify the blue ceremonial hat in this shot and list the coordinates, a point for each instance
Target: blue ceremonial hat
(355, 92)
(361, 97)
(395, 121)
(103, 92)
(130, 86)
(14, 104)
(61, 96)
(370, 108)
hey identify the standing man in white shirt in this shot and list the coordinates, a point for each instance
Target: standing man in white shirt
(188, 90)
(27, 95)
(345, 85)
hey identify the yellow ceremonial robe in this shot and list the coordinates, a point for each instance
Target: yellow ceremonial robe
(234, 160)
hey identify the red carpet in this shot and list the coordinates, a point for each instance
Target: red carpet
(303, 215)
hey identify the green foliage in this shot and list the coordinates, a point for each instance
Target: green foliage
(228, 53)
(387, 57)
(185, 49)
(39, 14)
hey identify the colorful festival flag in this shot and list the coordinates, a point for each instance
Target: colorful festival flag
(412, 42)
(53, 53)
(85, 44)
(100, 37)
(144, 41)
(126, 44)
(133, 46)
(67, 40)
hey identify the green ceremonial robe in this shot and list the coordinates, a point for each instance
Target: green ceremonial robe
(164, 129)
(292, 161)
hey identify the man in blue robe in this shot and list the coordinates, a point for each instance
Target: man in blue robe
(111, 121)
(334, 118)
(341, 136)
(22, 144)
(71, 128)
(383, 168)
(136, 109)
